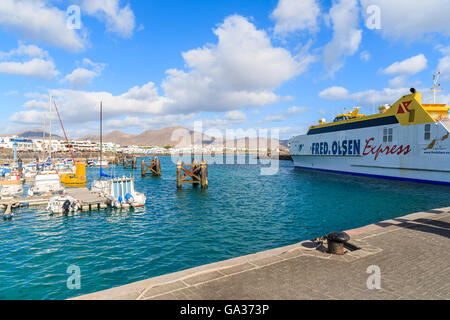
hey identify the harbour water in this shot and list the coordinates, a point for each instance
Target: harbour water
(242, 212)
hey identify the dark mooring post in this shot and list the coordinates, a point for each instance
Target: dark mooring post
(153, 167)
(336, 242)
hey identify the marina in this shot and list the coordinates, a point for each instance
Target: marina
(225, 153)
(184, 228)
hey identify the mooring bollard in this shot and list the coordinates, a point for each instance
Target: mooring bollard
(336, 242)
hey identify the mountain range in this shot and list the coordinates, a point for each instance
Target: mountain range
(177, 136)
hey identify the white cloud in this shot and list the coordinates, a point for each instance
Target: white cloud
(296, 110)
(28, 117)
(40, 66)
(344, 16)
(44, 69)
(334, 93)
(284, 115)
(35, 20)
(275, 118)
(293, 15)
(444, 67)
(365, 56)
(151, 122)
(80, 77)
(367, 98)
(397, 82)
(78, 106)
(25, 50)
(242, 69)
(118, 20)
(235, 115)
(36, 95)
(409, 66)
(36, 104)
(411, 20)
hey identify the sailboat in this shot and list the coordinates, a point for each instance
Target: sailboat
(47, 180)
(120, 192)
(79, 177)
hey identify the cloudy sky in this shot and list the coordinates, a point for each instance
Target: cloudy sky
(231, 63)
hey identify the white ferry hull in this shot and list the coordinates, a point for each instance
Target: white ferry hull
(407, 155)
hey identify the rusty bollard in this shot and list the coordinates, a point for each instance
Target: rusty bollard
(336, 242)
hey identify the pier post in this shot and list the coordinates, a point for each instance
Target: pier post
(204, 174)
(194, 173)
(179, 174)
(153, 167)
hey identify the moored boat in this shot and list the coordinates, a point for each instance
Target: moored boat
(407, 141)
(11, 186)
(46, 182)
(63, 205)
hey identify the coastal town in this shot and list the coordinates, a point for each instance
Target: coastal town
(56, 145)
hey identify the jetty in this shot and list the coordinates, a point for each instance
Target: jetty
(89, 200)
(402, 258)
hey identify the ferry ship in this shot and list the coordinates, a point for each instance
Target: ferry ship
(407, 141)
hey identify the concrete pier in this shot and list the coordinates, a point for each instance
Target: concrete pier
(402, 258)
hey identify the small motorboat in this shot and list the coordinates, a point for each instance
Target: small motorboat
(11, 186)
(63, 205)
(120, 192)
(46, 182)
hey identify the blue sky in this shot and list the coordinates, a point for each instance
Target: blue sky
(233, 64)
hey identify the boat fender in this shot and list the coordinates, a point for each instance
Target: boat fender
(66, 206)
(120, 199)
(128, 197)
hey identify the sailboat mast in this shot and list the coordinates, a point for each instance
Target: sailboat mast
(50, 121)
(101, 137)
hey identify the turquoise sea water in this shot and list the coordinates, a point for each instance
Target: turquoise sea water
(242, 212)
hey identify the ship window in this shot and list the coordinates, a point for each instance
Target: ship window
(427, 132)
(387, 134)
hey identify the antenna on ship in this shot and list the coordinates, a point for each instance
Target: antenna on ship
(436, 86)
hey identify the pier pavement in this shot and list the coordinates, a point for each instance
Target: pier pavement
(410, 254)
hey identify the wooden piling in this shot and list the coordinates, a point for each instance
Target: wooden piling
(130, 163)
(204, 174)
(179, 173)
(194, 173)
(153, 167)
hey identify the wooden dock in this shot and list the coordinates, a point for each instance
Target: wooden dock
(88, 200)
(25, 201)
